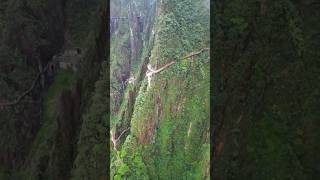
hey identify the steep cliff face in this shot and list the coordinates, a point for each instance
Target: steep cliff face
(32, 33)
(40, 132)
(161, 130)
(266, 90)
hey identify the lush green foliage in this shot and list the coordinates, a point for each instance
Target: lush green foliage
(169, 133)
(91, 161)
(40, 132)
(265, 89)
(40, 150)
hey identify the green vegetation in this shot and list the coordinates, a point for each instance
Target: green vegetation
(57, 124)
(80, 16)
(40, 150)
(169, 127)
(91, 161)
(266, 89)
(39, 134)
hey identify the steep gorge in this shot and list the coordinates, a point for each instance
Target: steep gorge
(40, 134)
(160, 127)
(266, 89)
(161, 130)
(31, 36)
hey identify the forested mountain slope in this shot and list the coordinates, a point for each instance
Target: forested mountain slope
(56, 121)
(42, 102)
(160, 126)
(266, 89)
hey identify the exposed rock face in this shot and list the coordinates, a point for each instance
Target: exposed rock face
(136, 27)
(68, 123)
(36, 34)
(137, 22)
(168, 120)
